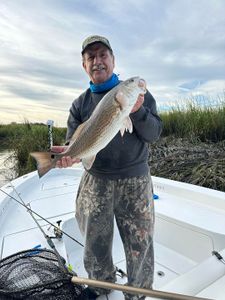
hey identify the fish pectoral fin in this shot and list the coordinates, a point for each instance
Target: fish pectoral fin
(121, 99)
(127, 125)
(88, 162)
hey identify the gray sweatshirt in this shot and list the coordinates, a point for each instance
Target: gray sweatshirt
(125, 156)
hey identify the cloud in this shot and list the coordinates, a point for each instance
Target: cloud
(191, 85)
(171, 44)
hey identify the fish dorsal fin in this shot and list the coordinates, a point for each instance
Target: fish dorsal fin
(88, 162)
(78, 131)
(127, 125)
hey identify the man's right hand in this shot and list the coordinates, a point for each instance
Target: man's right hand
(65, 161)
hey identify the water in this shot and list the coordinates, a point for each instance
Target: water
(6, 167)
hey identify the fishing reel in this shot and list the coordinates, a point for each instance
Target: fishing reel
(57, 230)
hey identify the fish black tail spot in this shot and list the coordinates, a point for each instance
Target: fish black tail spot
(45, 162)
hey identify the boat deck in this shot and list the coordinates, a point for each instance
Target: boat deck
(53, 198)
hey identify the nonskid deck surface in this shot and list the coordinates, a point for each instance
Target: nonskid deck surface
(168, 263)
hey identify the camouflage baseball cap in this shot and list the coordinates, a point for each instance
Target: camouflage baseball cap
(95, 39)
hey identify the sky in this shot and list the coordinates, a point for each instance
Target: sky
(177, 46)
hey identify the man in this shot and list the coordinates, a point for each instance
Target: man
(119, 183)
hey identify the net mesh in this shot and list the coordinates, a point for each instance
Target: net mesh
(36, 274)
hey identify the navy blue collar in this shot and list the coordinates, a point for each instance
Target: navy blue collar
(105, 86)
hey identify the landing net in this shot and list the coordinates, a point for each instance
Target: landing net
(37, 274)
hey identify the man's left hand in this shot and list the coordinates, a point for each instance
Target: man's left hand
(138, 104)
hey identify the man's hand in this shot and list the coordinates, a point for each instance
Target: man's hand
(140, 99)
(138, 104)
(65, 161)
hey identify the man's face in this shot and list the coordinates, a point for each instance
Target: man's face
(98, 62)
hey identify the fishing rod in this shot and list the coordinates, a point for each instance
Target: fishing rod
(35, 213)
(47, 237)
(120, 271)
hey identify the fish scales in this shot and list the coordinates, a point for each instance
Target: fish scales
(95, 128)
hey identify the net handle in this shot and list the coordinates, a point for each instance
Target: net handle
(133, 290)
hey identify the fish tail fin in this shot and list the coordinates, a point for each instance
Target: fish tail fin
(45, 162)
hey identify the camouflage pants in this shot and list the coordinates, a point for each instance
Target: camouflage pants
(130, 201)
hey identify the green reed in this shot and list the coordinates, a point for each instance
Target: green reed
(206, 123)
(22, 139)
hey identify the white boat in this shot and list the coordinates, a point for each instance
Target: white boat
(189, 230)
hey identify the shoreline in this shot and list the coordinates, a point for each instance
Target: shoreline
(179, 159)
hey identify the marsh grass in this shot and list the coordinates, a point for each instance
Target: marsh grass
(206, 123)
(192, 146)
(22, 139)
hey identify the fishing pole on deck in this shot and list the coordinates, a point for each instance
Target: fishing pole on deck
(47, 237)
(51, 244)
(38, 215)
